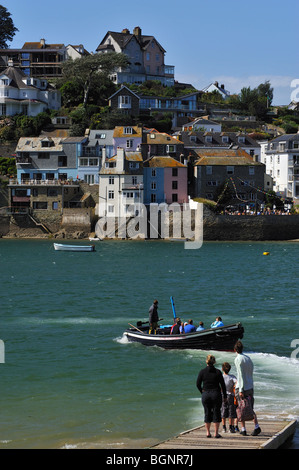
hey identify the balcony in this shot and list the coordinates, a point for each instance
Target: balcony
(23, 161)
(132, 187)
(38, 182)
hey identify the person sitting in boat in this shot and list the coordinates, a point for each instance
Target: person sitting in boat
(217, 322)
(182, 327)
(153, 317)
(200, 326)
(190, 328)
(175, 329)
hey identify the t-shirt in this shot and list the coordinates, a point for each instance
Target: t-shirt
(230, 381)
(189, 328)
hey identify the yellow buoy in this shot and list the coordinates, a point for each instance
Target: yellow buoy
(266, 253)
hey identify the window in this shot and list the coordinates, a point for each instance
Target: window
(174, 197)
(209, 170)
(230, 170)
(153, 197)
(129, 144)
(110, 194)
(100, 136)
(251, 170)
(43, 155)
(124, 102)
(55, 206)
(170, 148)
(281, 147)
(134, 165)
(110, 209)
(153, 185)
(111, 179)
(128, 130)
(134, 179)
(62, 160)
(39, 205)
(154, 172)
(174, 172)
(174, 185)
(148, 56)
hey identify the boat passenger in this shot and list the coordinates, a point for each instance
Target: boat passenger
(175, 329)
(217, 322)
(190, 328)
(200, 326)
(153, 317)
(182, 327)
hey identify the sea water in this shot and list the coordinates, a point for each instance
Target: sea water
(70, 379)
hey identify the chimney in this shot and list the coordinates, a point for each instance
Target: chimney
(126, 31)
(120, 160)
(103, 156)
(137, 32)
(10, 63)
(42, 43)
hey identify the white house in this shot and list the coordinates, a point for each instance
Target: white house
(25, 95)
(121, 184)
(215, 87)
(202, 124)
(281, 157)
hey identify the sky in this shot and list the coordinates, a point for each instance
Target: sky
(237, 43)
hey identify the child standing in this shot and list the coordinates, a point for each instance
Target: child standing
(228, 409)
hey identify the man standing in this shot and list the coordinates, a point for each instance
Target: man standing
(153, 317)
(244, 387)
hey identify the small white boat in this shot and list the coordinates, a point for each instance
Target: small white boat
(62, 247)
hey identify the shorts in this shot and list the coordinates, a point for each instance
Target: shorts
(228, 409)
(212, 401)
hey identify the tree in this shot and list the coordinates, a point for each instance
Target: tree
(90, 71)
(7, 27)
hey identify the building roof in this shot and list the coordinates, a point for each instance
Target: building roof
(42, 45)
(198, 139)
(161, 138)
(34, 144)
(225, 157)
(100, 137)
(16, 76)
(163, 162)
(121, 89)
(124, 37)
(119, 131)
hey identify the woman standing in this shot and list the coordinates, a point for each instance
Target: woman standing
(210, 383)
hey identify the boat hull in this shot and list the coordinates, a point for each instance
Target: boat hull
(219, 339)
(61, 247)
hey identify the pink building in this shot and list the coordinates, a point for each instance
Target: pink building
(165, 180)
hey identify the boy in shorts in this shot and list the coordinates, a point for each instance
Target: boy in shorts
(228, 409)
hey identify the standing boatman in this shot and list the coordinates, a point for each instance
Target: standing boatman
(153, 317)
